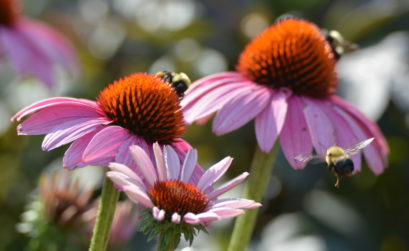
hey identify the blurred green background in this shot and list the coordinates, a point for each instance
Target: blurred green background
(302, 210)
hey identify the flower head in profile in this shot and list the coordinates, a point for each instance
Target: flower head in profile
(137, 110)
(174, 198)
(286, 81)
(33, 47)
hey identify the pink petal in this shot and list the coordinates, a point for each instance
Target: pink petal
(200, 218)
(72, 106)
(372, 127)
(159, 215)
(126, 171)
(160, 163)
(241, 109)
(144, 164)
(227, 186)
(295, 138)
(211, 79)
(236, 204)
(25, 55)
(55, 46)
(70, 131)
(205, 85)
(270, 121)
(225, 212)
(189, 165)
(212, 101)
(373, 155)
(344, 135)
(214, 173)
(104, 146)
(124, 154)
(176, 218)
(181, 148)
(319, 125)
(138, 196)
(121, 180)
(73, 156)
(172, 163)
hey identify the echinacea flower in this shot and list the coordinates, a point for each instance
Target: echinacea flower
(286, 82)
(167, 189)
(137, 110)
(33, 47)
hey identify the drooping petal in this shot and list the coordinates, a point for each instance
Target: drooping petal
(26, 57)
(138, 195)
(172, 163)
(214, 173)
(160, 163)
(73, 156)
(373, 155)
(176, 218)
(204, 85)
(69, 131)
(188, 165)
(144, 164)
(241, 109)
(104, 145)
(55, 46)
(236, 204)
(121, 180)
(270, 121)
(344, 135)
(213, 100)
(227, 186)
(226, 212)
(126, 171)
(294, 137)
(319, 125)
(200, 218)
(68, 107)
(372, 127)
(212, 79)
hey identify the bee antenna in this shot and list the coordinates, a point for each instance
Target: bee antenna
(285, 17)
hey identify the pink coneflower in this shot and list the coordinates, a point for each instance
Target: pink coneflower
(286, 82)
(33, 47)
(168, 189)
(137, 110)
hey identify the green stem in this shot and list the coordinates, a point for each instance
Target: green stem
(260, 173)
(168, 244)
(105, 215)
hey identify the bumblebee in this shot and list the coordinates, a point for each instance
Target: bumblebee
(338, 159)
(339, 45)
(179, 81)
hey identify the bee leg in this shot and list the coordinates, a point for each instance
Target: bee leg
(338, 182)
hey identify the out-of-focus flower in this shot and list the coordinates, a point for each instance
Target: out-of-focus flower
(286, 82)
(55, 216)
(172, 196)
(33, 47)
(64, 209)
(64, 199)
(137, 110)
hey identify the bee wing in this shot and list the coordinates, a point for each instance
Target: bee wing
(310, 158)
(358, 146)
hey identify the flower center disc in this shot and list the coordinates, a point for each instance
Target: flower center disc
(146, 106)
(177, 196)
(9, 11)
(291, 53)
